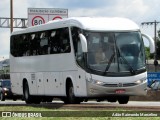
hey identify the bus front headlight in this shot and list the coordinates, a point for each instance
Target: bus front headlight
(143, 80)
(138, 82)
(97, 82)
(93, 81)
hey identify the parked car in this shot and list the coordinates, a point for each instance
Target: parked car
(5, 90)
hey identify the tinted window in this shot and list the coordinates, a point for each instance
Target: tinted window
(59, 41)
(77, 46)
(41, 43)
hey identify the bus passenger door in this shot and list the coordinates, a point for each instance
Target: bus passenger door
(40, 84)
(81, 81)
(80, 62)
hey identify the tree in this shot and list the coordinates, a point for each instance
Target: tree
(147, 49)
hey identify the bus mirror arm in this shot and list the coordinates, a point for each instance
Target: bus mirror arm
(83, 42)
(151, 42)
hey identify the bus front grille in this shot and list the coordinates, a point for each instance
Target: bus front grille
(120, 85)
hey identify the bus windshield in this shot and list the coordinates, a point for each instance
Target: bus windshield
(115, 52)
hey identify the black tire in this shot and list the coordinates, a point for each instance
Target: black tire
(14, 98)
(2, 97)
(71, 99)
(123, 99)
(27, 97)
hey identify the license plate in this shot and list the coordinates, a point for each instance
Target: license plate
(121, 91)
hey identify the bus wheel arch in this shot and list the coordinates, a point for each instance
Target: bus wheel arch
(26, 93)
(24, 82)
(23, 85)
(71, 98)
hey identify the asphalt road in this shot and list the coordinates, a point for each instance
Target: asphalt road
(132, 105)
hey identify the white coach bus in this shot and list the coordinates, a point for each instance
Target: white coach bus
(77, 59)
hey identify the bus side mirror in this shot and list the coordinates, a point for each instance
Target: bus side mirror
(83, 42)
(151, 43)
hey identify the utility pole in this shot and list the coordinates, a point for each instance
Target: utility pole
(11, 14)
(155, 40)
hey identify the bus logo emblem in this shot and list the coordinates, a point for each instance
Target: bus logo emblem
(119, 85)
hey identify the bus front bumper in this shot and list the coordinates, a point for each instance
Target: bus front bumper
(95, 90)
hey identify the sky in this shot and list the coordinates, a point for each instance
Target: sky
(137, 10)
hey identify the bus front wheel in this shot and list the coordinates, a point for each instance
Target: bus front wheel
(123, 99)
(71, 99)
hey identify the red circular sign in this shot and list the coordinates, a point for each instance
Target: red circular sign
(57, 17)
(37, 20)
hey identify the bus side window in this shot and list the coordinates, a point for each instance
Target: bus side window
(53, 45)
(77, 46)
(59, 41)
(19, 45)
(65, 42)
(43, 49)
(25, 45)
(75, 38)
(34, 44)
(13, 46)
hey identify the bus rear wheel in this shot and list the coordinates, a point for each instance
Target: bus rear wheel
(26, 93)
(2, 97)
(28, 98)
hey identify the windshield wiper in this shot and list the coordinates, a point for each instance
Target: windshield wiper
(109, 63)
(124, 59)
(130, 67)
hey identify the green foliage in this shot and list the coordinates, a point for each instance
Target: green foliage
(147, 53)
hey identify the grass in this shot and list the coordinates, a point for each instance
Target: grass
(62, 112)
(83, 118)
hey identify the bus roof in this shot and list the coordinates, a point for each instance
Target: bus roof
(106, 23)
(87, 23)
